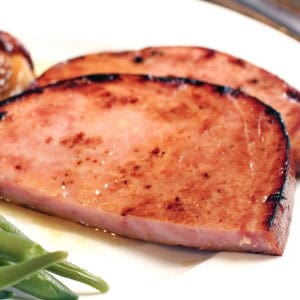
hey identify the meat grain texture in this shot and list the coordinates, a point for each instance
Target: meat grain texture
(193, 62)
(167, 160)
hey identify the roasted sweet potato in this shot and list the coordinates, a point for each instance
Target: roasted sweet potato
(193, 62)
(16, 67)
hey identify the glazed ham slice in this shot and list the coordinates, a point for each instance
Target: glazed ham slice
(16, 67)
(167, 160)
(193, 62)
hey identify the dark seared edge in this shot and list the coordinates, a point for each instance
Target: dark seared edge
(11, 45)
(19, 97)
(138, 59)
(277, 197)
(226, 90)
(69, 83)
(101, 77)
(2, 115)
(293, 94)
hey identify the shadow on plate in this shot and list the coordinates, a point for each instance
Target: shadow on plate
(239, 257)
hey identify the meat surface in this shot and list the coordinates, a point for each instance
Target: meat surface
(193, 62)
(167, 160)
(16, 67)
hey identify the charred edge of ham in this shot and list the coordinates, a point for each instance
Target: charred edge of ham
(293, 94)
(279, 196)
(36, 90)
(2, 115)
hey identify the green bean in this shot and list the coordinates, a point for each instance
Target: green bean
(18, 248)
(43, 285)
(64, 268)
(69, 270)
(13, 274)
(8, 227)
(4, 262)
(6, 294)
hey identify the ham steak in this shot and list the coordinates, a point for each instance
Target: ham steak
(16, 67)
(169, 160)
(193, 62)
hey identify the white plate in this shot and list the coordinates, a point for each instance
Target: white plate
(54, 30)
